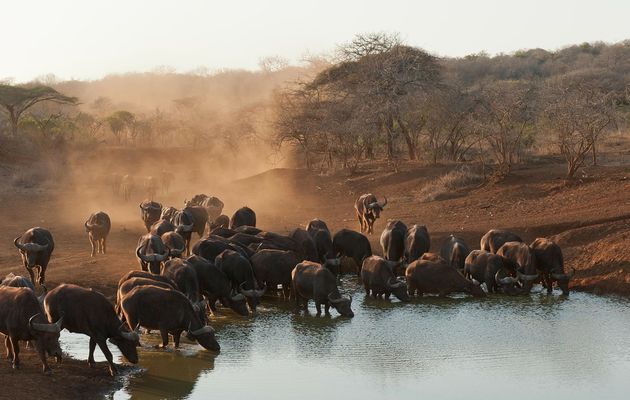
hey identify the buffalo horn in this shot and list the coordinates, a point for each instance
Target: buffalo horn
(504, 281)
(526, 278)
(48, 328)
(564, 277)
(383, 204)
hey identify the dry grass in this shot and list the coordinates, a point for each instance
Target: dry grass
(447, 185)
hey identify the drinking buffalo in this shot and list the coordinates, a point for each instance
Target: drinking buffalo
(521, 254)
(495, 238)
(305, 243)
(97, 227)
(368, 210)
(128, 285)
(240, 272)
(313, 281)
(417, 242)
(393, 240)
(215, 285)
(550, 263)
(147, 275)
(36, 246)
(168, 311)
(22, 318)
(493, 270)
(243, 216)
(454, 250)
(378, 278)
(175, 244)
(435, 276)
(88, 312)
(151, 253)
(150, 212)
(354, 245)
(273, 268)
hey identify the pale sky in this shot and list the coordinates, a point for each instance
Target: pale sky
(87, 39)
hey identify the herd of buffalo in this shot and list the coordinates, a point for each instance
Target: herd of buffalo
(236, 263)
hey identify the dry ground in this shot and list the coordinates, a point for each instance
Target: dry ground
(588, 218)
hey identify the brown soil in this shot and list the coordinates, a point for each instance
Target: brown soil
(589, 218)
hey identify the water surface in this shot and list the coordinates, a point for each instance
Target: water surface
(512, 347)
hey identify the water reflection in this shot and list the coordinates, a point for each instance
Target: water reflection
(528, 346)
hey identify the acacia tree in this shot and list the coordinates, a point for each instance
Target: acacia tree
(121, 123)
(15, 100)
(577, 112)
(377, 74)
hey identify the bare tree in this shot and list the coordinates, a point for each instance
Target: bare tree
(577, 112)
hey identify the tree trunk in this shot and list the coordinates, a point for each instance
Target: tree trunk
(594, 151)
(410, 146)
(14, 123)
(389, 132)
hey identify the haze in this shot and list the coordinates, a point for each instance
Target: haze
(87, 40)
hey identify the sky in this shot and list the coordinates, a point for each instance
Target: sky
(87, 39)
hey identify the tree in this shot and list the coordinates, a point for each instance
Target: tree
(121, 122)
(377, 74)
(504, 116)
(577, 112)
(17, 99)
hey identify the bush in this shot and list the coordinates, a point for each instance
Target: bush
(445, 186)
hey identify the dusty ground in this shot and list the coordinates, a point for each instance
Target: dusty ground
(589, 219)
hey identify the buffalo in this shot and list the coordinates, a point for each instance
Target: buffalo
(313, 281)
(306, 244)
(215, 285)
(97, 228)
(168, 311)
(316, 225)
(454, 250)
(241, 274)
(244, 216)
(520, 254)
(378, 278)
(222, 221)
(36, 246)
(22, 318)
(550, 263)
(393, 240)
(433, 275)
(161, 227)
(213, 205)
(175, 243)
(493, 270)
(18, 281)
(274, 267)
(150, 212)
(495, 238)
(151, 253)
(355, 245)
(417, 242)
(88, 312)
(184, 276)
(127, 187)
(368, 210)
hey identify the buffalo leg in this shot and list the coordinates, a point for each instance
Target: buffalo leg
(91, 361)
(16, 352)
(104, 245)
(42, 275)
(9, 346)
(108, 355)
(360, 222)
(164, 334)
(327, 308)
(92, 244)
(176, 336)
(318, 307)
